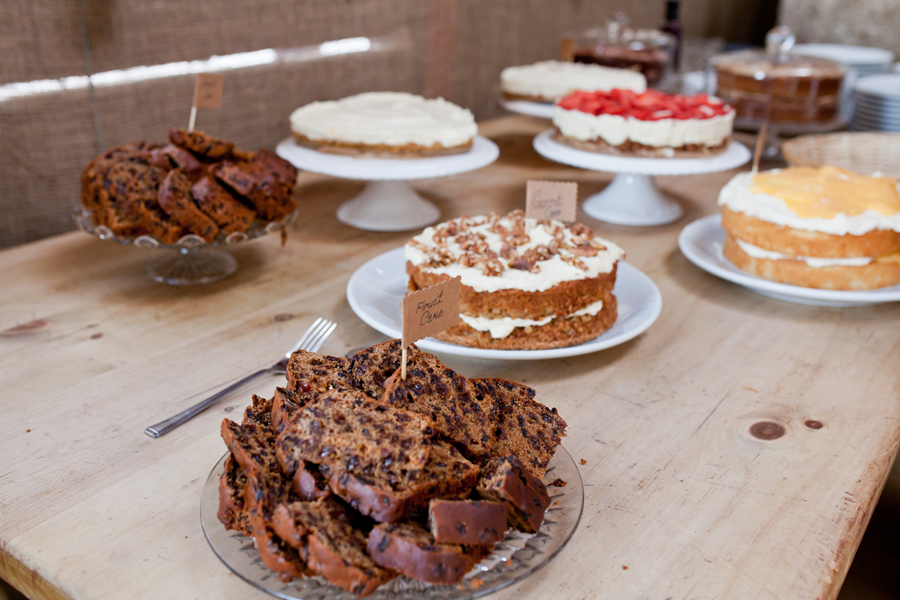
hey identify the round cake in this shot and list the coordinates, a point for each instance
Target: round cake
(385, 123)
(526, 284)
(651, 124)
(825, 228)
(551, 79)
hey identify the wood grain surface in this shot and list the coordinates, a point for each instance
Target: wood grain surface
(681, 499)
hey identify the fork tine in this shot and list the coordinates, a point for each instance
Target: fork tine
(311, 343)
(307, 335)
(325, 334)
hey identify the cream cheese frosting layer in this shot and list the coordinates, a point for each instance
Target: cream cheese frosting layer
(812, 261)
(616, 130)
(390, 118)
(492, 253)
(737, 196)
(553, 79)
(504, 326)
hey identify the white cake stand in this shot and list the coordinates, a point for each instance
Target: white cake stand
(542, 110)
(388, 203)
(633, 198)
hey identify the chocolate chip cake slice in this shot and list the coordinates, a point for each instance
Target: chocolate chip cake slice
(523, 426)
(347, 431)
(411, 550)
(438, 392)
(333, 544)
(506, 480)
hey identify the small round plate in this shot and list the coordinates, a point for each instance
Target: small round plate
(483, 153)
(516, 557)
(857, 56)
(701, 242)
(542, 110)
(376, 288)
(882, 86)
(734, 156)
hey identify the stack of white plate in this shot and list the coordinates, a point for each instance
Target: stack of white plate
(866, 61)
(877, 103)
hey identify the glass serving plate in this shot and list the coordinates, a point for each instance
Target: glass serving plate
(516, 557)
(191, 260)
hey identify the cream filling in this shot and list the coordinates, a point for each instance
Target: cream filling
(502, 327)
(616, 130)
(553, 79)
(812, 261)
(390, 118)
(737, 196)
(549, 272)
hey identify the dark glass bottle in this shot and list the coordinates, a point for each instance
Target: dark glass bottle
(672, 26)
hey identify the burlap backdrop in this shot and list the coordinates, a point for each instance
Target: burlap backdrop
(451, 48)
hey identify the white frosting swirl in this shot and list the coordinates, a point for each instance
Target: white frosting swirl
(737, 196)
(391, 118)
(552, 79)
(664, 133)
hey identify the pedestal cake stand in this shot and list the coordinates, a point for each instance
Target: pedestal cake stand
(633, 198)
(542, 110)
(388, 203)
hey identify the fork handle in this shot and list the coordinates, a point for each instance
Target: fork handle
(164, 427)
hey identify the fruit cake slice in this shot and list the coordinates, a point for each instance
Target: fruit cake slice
(141, 202)
(436, 391)
(523, 426)
(310, 374)
(112, 195)
(506, 480)
(175, 199)
(411, 550)
(370, 368)
(345, 430)
(201, 144)
(447, 474)
(284, 404)
(232, 510)
(334, 547)
(214, 200)
(466, 521)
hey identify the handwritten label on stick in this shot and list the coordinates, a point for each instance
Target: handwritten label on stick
(208, 90)
(430, 311)
(551, 200)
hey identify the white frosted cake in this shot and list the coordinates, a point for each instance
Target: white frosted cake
(650, 124)
(824, 228)
(551, 79)
(385, 123)
(526, 284)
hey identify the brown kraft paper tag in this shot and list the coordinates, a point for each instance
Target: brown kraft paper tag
(551, 200)
(208, 90)
(430, 310)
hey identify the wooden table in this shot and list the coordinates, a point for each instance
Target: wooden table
(681, 499)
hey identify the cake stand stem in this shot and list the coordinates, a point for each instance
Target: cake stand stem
(633, 200)
(190, 266)
(388, 206)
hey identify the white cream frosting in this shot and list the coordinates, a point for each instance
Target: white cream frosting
(547, 274)
(812, 261)
(666, 133)
(553, 79)
(737, 196)
(391, 118)
(504, 326)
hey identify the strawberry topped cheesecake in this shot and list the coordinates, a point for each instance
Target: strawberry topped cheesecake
(650, 124)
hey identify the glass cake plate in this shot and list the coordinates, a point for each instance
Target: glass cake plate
(516, 557)
(192, 259)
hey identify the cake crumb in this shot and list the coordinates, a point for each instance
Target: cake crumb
(27, 431)
(584, 462)
(559, 483)
(624, 567)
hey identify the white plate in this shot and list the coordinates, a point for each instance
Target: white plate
(542, 110)
(701, 242)
(375, 289)
(857, 56)
(879, 85)
(483, 153)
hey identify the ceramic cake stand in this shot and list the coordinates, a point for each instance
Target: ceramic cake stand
(388, 203)
(633, 198)
(542, 110)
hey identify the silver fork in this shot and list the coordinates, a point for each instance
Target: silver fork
(311, 341)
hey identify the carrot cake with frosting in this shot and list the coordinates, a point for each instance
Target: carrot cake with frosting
(651, 124)
(551, 79)
(526, 284)
(824, 227)
(385, 123)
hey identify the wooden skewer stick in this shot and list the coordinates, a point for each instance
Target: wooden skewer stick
(193, 118)
(760, 141)
(403, 363)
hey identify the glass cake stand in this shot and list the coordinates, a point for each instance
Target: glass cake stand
(191, 260)
(633, 198)
(388, 203)
(516, 557)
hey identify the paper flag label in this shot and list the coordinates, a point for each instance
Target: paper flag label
(208, 90)
(551, 200)
(430, 310)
